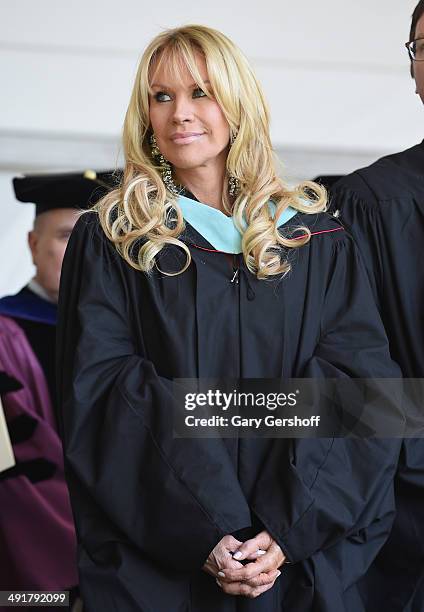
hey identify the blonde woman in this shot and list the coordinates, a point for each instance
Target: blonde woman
(203, 264)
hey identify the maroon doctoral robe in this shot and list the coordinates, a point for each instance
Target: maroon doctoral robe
(37, 539)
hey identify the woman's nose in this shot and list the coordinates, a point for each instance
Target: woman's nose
(183, 109)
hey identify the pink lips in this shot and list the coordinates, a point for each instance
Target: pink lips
(186, 137)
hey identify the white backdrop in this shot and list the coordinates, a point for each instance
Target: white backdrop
(335, 73)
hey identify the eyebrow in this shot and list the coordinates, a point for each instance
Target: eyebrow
(161, 86)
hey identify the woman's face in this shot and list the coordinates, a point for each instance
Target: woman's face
(190, 128)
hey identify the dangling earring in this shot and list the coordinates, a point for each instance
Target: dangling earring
(165, 166)
(233, 182)
(233, 186)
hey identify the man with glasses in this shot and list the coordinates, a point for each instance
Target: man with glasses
(383, 207)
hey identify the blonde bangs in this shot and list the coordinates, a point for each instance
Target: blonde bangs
(176, 58)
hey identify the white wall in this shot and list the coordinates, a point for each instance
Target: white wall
(335, 73)
(17, 219)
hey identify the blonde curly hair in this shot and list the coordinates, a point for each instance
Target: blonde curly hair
(142, 216)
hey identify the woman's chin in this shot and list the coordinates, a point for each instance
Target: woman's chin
(189, 163)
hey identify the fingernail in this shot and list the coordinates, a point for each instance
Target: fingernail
(221, 574)
(217, 582)
(261, 552)
(237, 555)
(279, 573)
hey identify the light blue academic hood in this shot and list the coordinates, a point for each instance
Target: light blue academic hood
(218, 229)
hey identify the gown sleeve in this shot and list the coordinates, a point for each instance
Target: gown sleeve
(130, 480)
(388, 232)
(333, 487)
(363, 220)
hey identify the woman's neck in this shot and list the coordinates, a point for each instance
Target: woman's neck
(205, 183)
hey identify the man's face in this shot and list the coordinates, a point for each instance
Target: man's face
(418, 67)
(47, 242)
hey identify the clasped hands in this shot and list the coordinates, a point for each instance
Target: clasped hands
(251, 580)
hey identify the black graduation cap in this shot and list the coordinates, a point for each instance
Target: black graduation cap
(70, 190)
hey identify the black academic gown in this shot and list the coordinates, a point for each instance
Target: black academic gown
(149, 507)
(383, 207)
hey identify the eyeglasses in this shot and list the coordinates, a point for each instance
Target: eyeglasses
(416, 49)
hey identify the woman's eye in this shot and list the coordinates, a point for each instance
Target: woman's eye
(161, 96)
(198, 93)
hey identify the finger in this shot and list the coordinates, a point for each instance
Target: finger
(264, 579)
(255, 555)
(218, 571)
(235, 588)
(274, 556)
(262, 541)
(222, 556)
(279, 555)
(270, 561)
(259, 590)
(231, 543)
(229, 565)
(263, 564)
(222, 561)
(210, 568)
(241, 588)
